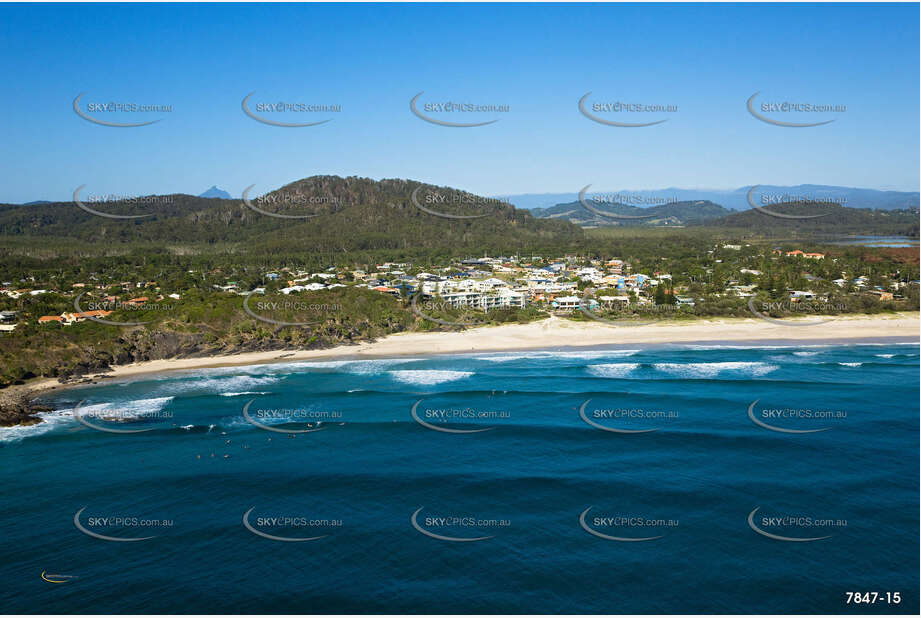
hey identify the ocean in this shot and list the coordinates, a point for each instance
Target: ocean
(631, 479)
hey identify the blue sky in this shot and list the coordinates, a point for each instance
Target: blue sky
(538, 59)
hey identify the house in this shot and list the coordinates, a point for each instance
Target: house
(50, 318)
(814, 256)
(386, 290)
(684, 301)
(589, 273)
(795, 253)
(744, 291)
(7, 328)
(615, 266)
(571, 303)
(72, 318)
(798, 295)
(611, 302)
(882, 294)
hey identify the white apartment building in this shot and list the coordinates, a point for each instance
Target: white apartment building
(501, 298)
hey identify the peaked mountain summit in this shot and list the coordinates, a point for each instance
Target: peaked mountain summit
(216, 193)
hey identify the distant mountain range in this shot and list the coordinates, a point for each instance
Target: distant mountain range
(334, 214)
(216, 193)
(733, 199)
(833, 217)
(675, 213)
(324, 213)
(213, 192)
(736, 199)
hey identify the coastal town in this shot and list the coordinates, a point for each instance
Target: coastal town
(558, 284)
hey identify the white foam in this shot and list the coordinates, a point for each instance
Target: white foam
(885, 355)
(65, 416)
(143, 406)
(587, 354)
(711, 370)
(613, 370)
(131, 409)
(593, 354)
(50, 421)
(429, 376)
(693, 346)
(501, 359)
(234, 422)
(237, 394)
(371, 366)
(210, 372)
(805, 353)
(376, 366)
(850, 364)
(233, 384)
(320, 364)
(273, 371)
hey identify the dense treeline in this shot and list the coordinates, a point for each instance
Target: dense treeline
(834, 219)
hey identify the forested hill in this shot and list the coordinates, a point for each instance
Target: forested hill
(327, 212)
(671, 213)
(835, 219)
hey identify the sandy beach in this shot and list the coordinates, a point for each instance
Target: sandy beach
(555, 332)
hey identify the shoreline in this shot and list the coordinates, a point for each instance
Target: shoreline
(548, 334)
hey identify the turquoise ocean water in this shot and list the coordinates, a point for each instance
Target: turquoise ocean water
(631, 479)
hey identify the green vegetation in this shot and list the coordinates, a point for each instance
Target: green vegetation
(195, 258)
(671, 213)
(834, 219)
